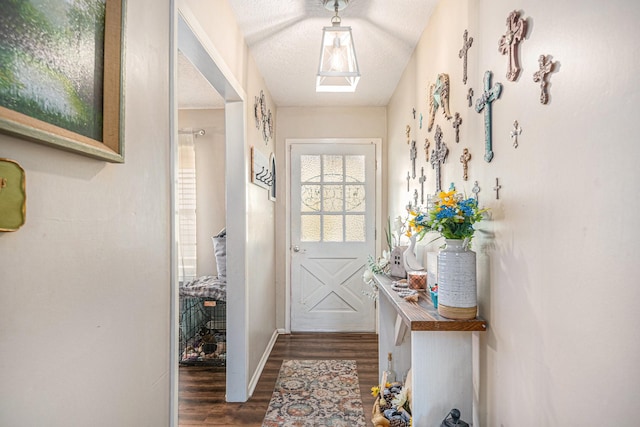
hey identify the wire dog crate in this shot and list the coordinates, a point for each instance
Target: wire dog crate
(203, 331)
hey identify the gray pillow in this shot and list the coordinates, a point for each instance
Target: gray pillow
(220, 251)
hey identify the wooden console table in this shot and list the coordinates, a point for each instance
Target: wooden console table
(438, 351)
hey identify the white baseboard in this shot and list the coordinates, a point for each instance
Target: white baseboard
(263, 361)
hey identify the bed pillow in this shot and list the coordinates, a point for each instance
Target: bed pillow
(220, 251)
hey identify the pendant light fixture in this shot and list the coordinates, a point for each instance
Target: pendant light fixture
(338, 70)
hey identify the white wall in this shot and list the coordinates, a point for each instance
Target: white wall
(210, 181)
(314, 123)
(558, 268)
(84, 284)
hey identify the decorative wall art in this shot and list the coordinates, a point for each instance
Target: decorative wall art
(439, 97)
(464, 159)
(66, 97)
(263, 118)
(456, 125)
(438, 157)
(489, 95)
(422, 180)
(413, 154)
(515, 132)
(475, 190)
(420, 120)
(466, 44)
(407, 131)
(508, 44)
(408, 180)
(261, 170)
(470, 97)
(13, 195)
(497, 189)
(427, 144)
(546, 66)
(273, 188)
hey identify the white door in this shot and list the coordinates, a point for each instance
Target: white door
(332, 234)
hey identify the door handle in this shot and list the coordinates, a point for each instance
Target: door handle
(296, 248)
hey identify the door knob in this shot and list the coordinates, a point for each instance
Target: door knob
(296, 248)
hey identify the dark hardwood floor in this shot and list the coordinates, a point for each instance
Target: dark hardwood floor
(202, 389)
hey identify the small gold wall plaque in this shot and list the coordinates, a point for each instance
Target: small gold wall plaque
(13, 196)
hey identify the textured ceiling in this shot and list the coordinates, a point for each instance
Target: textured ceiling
(284, 39)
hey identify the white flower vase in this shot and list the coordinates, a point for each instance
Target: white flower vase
(457, 286)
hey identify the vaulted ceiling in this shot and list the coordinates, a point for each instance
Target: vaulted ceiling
(284, 39)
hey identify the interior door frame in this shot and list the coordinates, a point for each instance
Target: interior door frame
(377, 142)
(188, 35)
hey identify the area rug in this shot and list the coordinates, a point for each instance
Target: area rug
(316, 393)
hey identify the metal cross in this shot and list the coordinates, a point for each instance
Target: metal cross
(421, 180)
(497, 188)
(456, 125)
(470, 97)
(475, 190)
(463, 54)
(517, 130)
(464, 159)
(408, 132)
(438, 157)
(408, 180)
(415, 197)
(414, 114)
(420, 120)
(427, 144)
(546, 66)
(413, 154)
(508, 44)
(489, 95)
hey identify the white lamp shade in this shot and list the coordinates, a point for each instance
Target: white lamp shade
(338, 70)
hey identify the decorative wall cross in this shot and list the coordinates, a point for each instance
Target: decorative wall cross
(415, 197)
(489, 95)
(438, 156)
(408, 180)
(413, 154)
(456, 125)
(470, 97)
(421, 180)
(439, 97)
(407, 131)
(466, 44)
(508, 44)
(497, 188)
(517, 130)
(546, 66)
(464, 159)
(475, 190)
(420, 120)
(427, 144)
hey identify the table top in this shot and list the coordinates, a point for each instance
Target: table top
(422, 315)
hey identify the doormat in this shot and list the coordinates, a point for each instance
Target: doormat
(316, 393)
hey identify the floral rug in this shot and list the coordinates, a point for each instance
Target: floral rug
(316, 393)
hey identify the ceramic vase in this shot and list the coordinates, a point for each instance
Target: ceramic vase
(457, 287)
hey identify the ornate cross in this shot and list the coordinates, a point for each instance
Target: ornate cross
(408, 180)
(508, 44)
(414, 114)
(489, 95)
(415, 197)
(439, 97)
(546, 66)
(427, 144)
(413, 154)
(464, 159)
(407, 131)
(420, 120)
(456, 125)
(421, 180)
(497, 188)
(517, 130)
(470, 97)
(438, 156)
(463, 54)
(475, 190)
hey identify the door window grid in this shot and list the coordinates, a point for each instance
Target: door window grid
(332, 198)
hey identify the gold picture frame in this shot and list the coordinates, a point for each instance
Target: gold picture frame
(111, 147)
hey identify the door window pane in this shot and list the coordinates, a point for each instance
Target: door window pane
(310, 198)
(332, 168)
(354, 231)
(332, 228)
(309, 168)
(354, 168)
(310, 228)
(332, 198)
(354, 198)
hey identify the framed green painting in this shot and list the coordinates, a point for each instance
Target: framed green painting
(61, 74)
